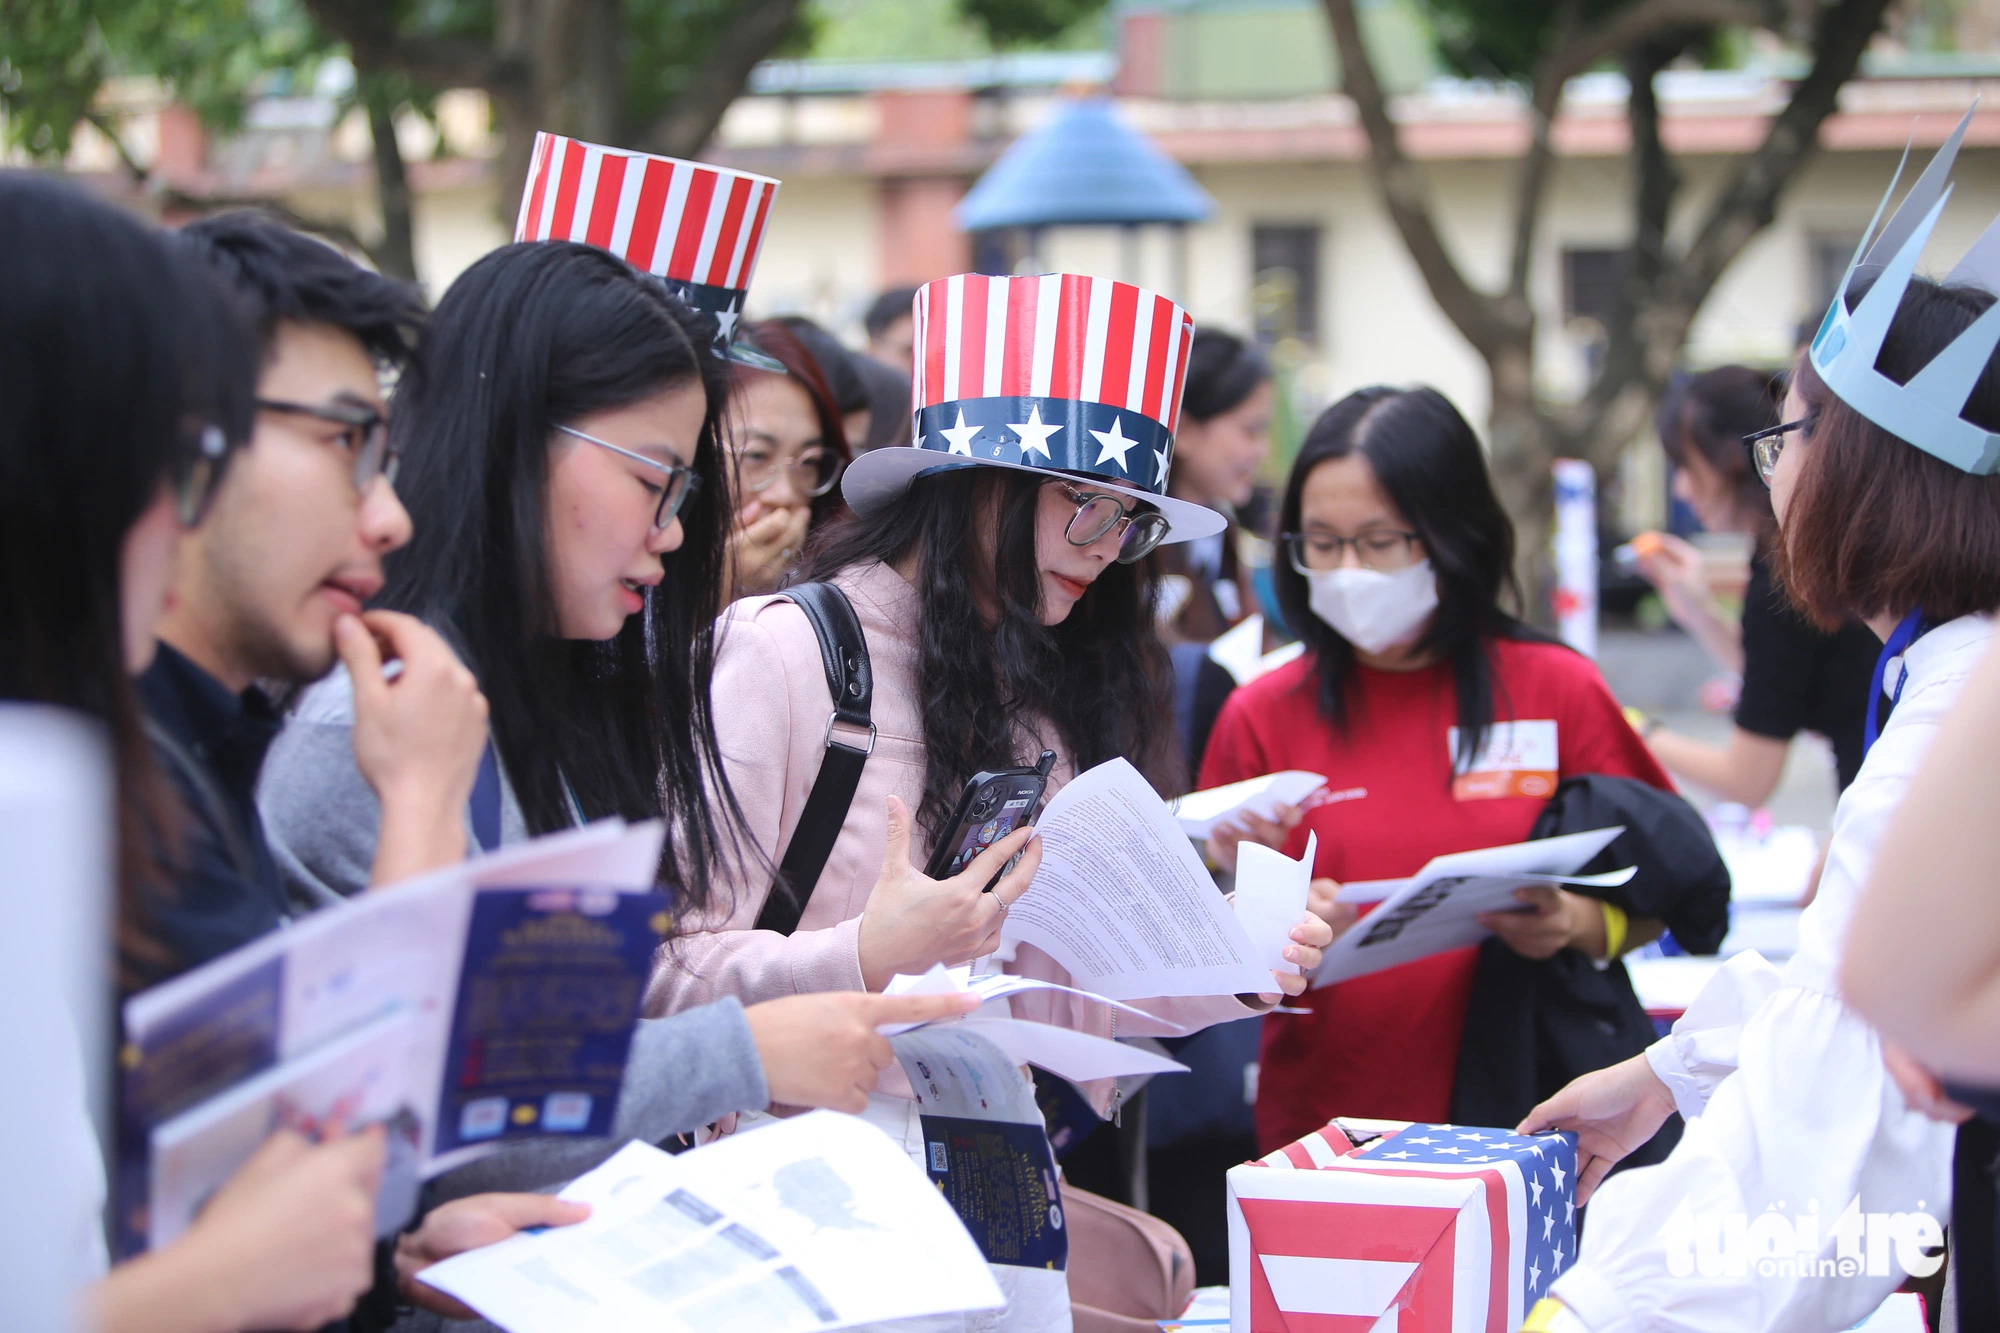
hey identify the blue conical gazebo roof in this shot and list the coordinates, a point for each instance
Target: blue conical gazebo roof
(1084, 167)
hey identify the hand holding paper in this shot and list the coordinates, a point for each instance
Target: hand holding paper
(1271, 892)
(1201, 812)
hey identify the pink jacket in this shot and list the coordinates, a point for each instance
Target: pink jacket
(771, 708)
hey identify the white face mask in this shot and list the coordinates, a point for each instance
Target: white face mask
(1372, 610)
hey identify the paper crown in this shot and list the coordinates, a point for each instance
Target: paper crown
(1926, 411)
(1057, 374)
(696, 227)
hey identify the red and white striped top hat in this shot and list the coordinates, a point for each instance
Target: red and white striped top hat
(696, 227)
(1057, 374)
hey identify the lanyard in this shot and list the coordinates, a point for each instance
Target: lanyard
(1907, 632)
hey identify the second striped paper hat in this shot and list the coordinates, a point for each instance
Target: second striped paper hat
(696, 227)
(1058, 374)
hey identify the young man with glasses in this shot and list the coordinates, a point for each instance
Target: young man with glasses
(270, 592)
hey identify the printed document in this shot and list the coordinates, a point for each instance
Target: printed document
(818, 1222)
(1438, 909)
(1122, 901)
(986, 1147)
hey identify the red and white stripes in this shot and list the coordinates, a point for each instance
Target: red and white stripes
(1058, 335)
(681, 220)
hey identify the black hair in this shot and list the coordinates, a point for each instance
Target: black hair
(281, 275)
(1709, 414)
(836, 363)
(1429, 463)
(894, 304)
(115, 354)
(1222, 371)
(889, 415)
(1100, 678)
(533, 336)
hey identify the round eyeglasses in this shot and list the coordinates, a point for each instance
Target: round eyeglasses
(364, 434)
(1098, 513)
(1384, 550)
(1765, 445)
(813, 472)
(676, 486)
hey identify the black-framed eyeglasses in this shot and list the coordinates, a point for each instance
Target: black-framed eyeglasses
(677, 484)
(813, 472)
(1384, 550)
(1765, 445)
(197, 471)
(1098, 513)
(364, 434)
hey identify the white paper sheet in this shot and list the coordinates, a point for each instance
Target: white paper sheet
(1437, 909)
(992, 986)
(1240, 651)
(1076, 1056)
(1122, 901)
(1271, 892)
(1201, 812)
(817, 1222)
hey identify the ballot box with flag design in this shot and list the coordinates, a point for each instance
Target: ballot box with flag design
(1385, 1227)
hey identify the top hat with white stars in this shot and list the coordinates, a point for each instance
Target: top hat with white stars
(1061, 375)
(696, 227)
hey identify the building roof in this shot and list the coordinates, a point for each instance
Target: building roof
(1084, 165)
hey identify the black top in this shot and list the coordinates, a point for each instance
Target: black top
(1797, 678)
(225, 887)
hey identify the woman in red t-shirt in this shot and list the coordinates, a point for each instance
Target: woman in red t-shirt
(1442, 722)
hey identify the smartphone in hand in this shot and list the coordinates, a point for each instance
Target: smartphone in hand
(992, 806)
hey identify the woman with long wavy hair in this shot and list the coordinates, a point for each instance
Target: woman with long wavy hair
(996, 570)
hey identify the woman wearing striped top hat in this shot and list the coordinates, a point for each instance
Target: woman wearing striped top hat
(996, 570)
(1883, 476)
(563, 471)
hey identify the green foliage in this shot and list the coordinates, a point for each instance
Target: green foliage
(57, 55)
(1503, 39)
(950, 29)
(1017, 22)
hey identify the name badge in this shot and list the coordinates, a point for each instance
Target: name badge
(1517, 759)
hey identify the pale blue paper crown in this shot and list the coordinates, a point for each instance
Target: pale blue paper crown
(1926, 411)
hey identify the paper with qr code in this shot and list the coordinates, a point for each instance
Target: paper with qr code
(985, 1147)
(816, 1222)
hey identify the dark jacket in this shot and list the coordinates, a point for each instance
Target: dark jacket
(1532, 1026)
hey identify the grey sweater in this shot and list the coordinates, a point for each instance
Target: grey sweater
(322, 817)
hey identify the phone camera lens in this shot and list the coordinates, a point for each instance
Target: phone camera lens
(985, 805)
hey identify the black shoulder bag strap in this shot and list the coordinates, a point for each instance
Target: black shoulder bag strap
(844, 654)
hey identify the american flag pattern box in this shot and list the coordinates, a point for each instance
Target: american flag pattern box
(1382, 1227)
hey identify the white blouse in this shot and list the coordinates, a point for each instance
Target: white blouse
(1789, 1107)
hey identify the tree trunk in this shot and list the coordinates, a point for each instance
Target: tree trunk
(1523, 446)
(575, 82)
(396, 253)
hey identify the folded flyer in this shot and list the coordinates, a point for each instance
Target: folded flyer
(476, 1005)
(816, 1222)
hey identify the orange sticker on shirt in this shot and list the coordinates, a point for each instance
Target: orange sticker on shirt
(1518, 759)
